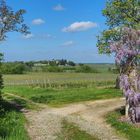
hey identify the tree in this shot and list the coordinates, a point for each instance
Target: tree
(118, 13)
(127, 54)
(122, 38)
(10, 21)
(71, 63)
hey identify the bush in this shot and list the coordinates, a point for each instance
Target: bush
(53, 69)
(13, 68)
(12, 123)
(86, 69)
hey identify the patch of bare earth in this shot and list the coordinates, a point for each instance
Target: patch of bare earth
(89, 116)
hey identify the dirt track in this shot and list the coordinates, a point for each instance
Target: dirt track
(89, 116)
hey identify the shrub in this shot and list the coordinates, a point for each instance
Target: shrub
(86, 69)
(13, 68)
(53, 69)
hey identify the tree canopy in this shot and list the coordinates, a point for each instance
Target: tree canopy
(119, 14)
(10, 21)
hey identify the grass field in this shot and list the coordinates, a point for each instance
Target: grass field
(57, 97)
(130, 131)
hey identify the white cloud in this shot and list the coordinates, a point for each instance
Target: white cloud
(80, 26)
(38, 21)
(44, 36)
(68, 43)
(28, 36)
(58, 7)
(38, 36)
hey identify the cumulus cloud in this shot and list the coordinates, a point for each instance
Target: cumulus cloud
(28, 36)
(68, 43)
(38, 21)
(80, 26)
(58, 7)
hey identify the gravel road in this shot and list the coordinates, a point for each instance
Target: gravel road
(89, 116)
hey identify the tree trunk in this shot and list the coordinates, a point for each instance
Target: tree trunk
(133, 86)
(127, 109)
(133, 79)
(118, 82)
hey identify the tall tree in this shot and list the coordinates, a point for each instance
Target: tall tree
(10, 21)
(121, 15)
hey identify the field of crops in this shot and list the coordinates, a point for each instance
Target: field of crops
(60, 79)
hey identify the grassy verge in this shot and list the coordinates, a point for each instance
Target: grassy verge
(72, 132)
(11, 123)
(58, 97)
(128, 130)
(21, 102)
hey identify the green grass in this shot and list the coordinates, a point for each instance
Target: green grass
(56, 97)
(11, 123)
(23, 103)
(72, 132)
(128, 130)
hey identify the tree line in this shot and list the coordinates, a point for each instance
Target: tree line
(21, 67)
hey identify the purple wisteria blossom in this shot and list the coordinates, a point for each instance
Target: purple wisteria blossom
(127, 50)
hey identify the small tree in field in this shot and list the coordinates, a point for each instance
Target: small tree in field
(10, 21)
(123, 39)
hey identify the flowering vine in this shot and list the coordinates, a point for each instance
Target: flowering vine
(127, 52)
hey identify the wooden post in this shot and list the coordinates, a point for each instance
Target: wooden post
(45, 85)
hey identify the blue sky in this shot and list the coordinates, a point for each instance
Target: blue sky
(59, 29)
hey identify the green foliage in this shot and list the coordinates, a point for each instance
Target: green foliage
(20, 67)
(1, 78)
(118, 13)
(86, 69)
(71, 63)
(122, 13)
(14, 68)
(11, 21)
(72, 132)
(129, 130)
(69, 68)
(105, 37)
(11, 123)
(22, 103)
(53, 69)
(80, 69)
